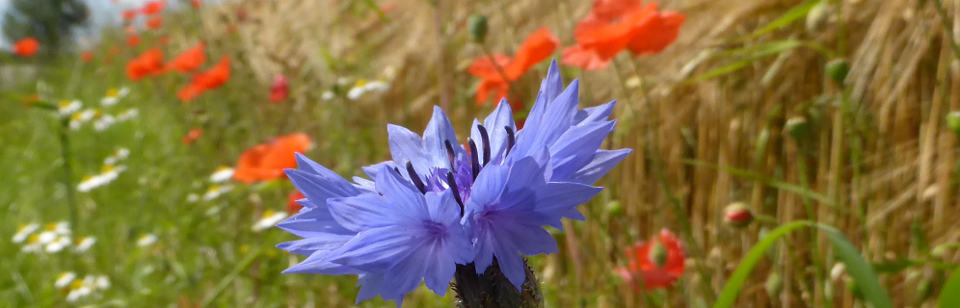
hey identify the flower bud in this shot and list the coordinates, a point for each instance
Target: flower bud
(818, 16)
(737, 214)
(773, 285)
(658, 254)
(614, 208)
(477, 24)
(798, 128)
(837, 69)
(953, 121)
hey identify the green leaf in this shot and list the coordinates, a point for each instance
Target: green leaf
(861, 272)
(796, 13)
(950, 294)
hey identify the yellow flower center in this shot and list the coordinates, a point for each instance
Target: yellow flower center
(33, 238)
(268, 213)
(107, 168)
(64, 104)
(113, 93)
(360, 82)
(76, 284)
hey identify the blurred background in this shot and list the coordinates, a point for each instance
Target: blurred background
(121, 148)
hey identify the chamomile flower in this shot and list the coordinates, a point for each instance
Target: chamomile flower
(118, 156)
(84, 244)
(77, 119)
(24, 231)
(89, 285)
(362, 87)
(106, 175)
(216, 191)
(103, 121)
(113, 96)
(66, 107)
(64, 279)
(327, 95)
(58, 244)
(127, 115)
(268, 219)
(222, 174)
(146, 240)
(33, 244)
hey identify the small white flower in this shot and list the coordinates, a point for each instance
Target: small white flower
(128, 114)
(113, 96)
(84, 244)
(268, 219)
(327, 95)
(222, 174)
(103, 122)
(79, 118)
(64, 279)
(117, 156)
(58, 244)
(24, 231)
(378, 86)
(66, 108)
(101, 282)
(216, 191)
(33, 244)
(192, 197)
(355, 93)
(78, 293)
(146, 240)
(107, 175)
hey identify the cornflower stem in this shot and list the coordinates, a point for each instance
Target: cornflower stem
(499, 69)
(492, 289)
(68, 174)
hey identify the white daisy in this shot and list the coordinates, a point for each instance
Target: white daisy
(113, 96)
(107, 175)
(327, 95)
(222, 174)
(33, 244)
(84, 244)
(64, 279)
(79, 118)
(268, 219)
(146, 240)
(117, 156)
(58, 244)
(216, 191)
(24, 231)
(103, 122)
(127, 115)
(66, 108)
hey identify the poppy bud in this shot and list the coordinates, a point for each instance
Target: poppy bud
(737, 214)
(658, 254)
(614, 208)
(477, 24)
(773, 285)
(837, 69)
(798, 127)
(280, 89)
(953, 121)
(818, 16)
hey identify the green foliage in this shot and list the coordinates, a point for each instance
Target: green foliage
(950, 294)
(51, 22)
(863, 275)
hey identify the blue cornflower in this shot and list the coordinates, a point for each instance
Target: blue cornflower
(439, 203)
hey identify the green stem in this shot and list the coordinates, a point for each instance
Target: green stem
(68, 174)
(947, 28)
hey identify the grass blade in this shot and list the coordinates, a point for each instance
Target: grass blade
(794, 14)
(950, 294)
(859, 269)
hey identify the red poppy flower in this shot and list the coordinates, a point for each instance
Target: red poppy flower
(292, 206)
(164, 40)
(153, 7)
(643, 263)
(497, 75)
(130, 14)
(211, 79)
(615, 25)
(133, 40)
(155, 22)
(86, 56)
(148, 63)
(192, 136)
(196, 3)
(279, 90)
(266, 161)
(189, 60)
(26, 47)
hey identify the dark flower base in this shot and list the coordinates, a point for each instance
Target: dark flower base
(493, 290)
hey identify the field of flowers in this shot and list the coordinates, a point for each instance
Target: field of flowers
(607, 153)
